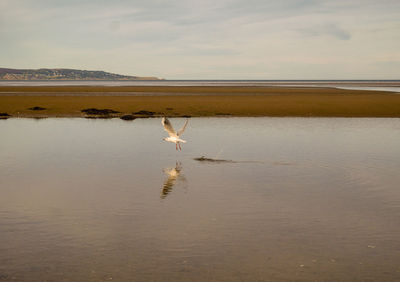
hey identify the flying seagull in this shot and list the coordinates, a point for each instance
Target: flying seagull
(174, 137)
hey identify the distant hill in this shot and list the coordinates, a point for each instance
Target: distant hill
(64, 74)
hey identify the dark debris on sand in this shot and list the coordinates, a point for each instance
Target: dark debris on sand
(94, 111)
(144, 113)
(4, 116)
(128, 117)
(100, 117)
(37, 109)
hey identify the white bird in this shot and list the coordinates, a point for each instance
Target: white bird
(174, 137)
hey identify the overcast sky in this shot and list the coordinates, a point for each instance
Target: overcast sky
(205, 39)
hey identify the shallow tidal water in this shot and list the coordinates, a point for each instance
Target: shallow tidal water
(374, 85)
(312, 199)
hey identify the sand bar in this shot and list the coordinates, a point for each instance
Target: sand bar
(69, 101)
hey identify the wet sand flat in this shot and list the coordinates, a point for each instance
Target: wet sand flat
(68, 101)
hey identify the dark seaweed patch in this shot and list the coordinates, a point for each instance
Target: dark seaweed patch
(94, 111)
(37, 108)
(144, 112)
(128, 117)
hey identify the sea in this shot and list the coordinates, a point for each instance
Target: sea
(375, 85)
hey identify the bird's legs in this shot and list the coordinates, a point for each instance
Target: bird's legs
(176, 146)
(179, 144)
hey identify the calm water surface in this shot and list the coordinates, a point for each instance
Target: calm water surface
(305, 199)
(374, 85)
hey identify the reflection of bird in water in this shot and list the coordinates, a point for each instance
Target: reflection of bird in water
(174, 174)
(174, 137)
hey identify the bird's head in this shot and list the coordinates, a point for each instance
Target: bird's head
(165, 139)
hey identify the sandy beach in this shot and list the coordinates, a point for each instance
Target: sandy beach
(69, 101)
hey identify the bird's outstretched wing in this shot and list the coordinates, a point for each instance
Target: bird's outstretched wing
(179, 133)
(168, 127)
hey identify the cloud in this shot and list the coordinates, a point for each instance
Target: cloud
(202, 39)
(330, 29)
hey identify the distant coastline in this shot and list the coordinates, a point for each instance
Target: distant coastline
(57, 74)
